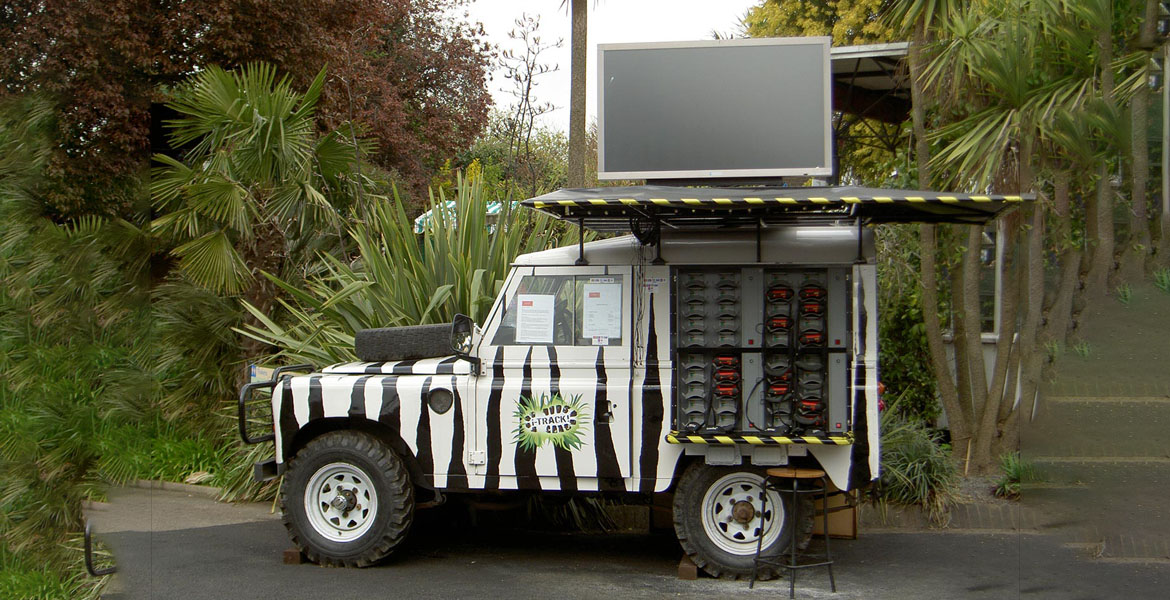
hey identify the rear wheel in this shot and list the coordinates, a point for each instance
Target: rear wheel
(719, 518)
(347, 499)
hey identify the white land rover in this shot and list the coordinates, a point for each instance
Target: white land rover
(736, 329)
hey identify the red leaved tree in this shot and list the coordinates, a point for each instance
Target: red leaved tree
(415, 73)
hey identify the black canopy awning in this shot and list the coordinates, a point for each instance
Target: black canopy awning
(612, 208)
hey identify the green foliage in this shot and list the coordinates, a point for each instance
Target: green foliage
(849, 22)
(904, 357)
(197, 356)
(916, 469)
(25, 579)
(1125, 293)
(77, 402)
(1083, 349)
(72, 318)
(457, 265)
(1162, 279)
(537, 166)
(256, 179)
(1053, 349)
(1015, 471)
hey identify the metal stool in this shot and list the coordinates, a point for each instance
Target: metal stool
(772, 482)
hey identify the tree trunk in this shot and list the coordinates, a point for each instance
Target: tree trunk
(1101, 216)
(972, 316)
(1137, 247)
(957, 420)
(917, 106)
(1101, 266)
(579, 44)
(1058, 317)
(948, 393)
(265, 253)
(1031, 359)
(1141, 156)
(986, 434)
(1140, 105)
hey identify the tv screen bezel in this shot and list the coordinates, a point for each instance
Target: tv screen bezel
(824, 42)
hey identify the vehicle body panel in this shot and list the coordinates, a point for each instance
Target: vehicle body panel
(476, 443)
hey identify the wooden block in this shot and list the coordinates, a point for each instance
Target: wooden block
(292, 556)
(687, 569)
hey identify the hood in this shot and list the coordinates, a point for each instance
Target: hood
(445, 365)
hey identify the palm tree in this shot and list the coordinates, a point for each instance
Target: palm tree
(579, 45)
(916, 17)
(1021, 87)
(1133, 262)
(257, 183)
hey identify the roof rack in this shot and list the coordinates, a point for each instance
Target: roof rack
(629, 207)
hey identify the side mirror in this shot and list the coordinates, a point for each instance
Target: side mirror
(463, 338)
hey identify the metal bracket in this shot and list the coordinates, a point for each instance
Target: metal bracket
(246, 395)
(860, 260)
(581, 243)
(88, 541)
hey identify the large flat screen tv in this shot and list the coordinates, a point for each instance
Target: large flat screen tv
(753, 108)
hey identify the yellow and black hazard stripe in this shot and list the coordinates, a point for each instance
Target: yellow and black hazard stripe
(678, 437)
(691, 202)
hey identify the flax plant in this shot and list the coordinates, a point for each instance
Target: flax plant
(457, 265)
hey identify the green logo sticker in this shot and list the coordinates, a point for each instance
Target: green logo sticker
(550, 419)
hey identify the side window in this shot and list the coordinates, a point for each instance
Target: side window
(540, 312)
(599, 310)
(564, 310)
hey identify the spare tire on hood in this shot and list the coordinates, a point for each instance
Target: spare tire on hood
(402, 343)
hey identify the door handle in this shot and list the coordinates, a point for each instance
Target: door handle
(605, 412)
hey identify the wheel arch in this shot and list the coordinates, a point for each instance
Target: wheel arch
(318, 427)
(680, 466)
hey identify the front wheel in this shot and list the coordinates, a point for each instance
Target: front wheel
(719, 519)
(347, 499)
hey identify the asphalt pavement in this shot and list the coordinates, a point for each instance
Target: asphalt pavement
(171, 544)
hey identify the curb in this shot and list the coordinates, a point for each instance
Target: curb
(964, 517)
(170, 486)
(1109, 399)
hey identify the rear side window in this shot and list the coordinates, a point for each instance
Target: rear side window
(565, 310)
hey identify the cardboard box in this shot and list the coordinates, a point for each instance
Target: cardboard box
(842, 523)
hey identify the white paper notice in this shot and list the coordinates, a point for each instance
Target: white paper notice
(534, 318)
(603, 312)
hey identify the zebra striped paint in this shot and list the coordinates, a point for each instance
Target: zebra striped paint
(471, 446)
(447, 365)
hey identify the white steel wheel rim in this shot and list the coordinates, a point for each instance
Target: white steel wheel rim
(341, 502)
(718, 514)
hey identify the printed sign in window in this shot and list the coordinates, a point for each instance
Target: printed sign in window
(602, 312)
(534, 318)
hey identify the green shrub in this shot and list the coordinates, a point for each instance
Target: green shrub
(904, 355)
(1015, 471)
(1162, 279)
(24, 579)
(916, 469)
(1125, 293)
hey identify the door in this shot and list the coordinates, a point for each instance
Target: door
(553, 391)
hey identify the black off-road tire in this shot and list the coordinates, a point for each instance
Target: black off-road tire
(717, 562)
(402, 343)
(387, 473)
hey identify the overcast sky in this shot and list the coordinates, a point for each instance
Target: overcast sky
(610, 21)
